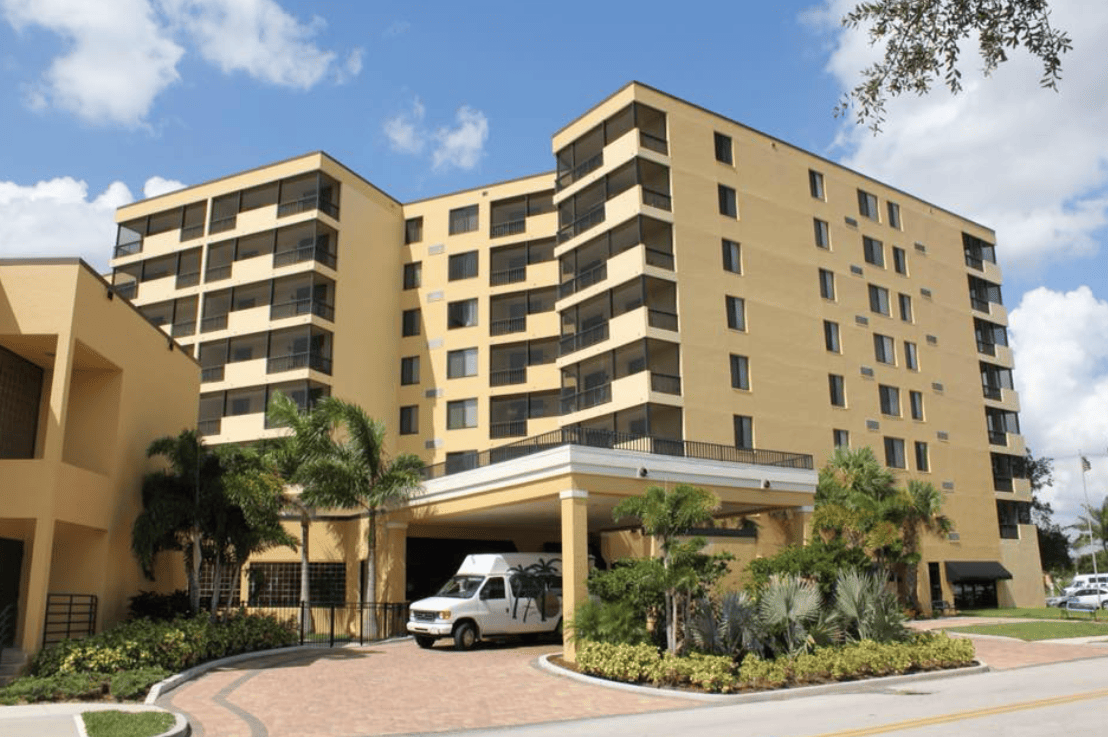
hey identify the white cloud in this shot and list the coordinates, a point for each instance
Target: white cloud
(1029, 162)
(158, 186)
(463, 145)
(350, 68)
(396, 28)
(57, 218)
(405, 130)
(117, 62)
(1060, 342)
(256, 37)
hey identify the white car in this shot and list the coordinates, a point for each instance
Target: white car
(1088, 596)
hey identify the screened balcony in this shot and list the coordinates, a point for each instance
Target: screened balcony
(509, 216)
(508, 415)
(586, 324)
(994, 380)
(586, 154)
(187, 220)
(508, 363)
(588, 383)
(508, 264)
(983, 293)
(977, 252)
(509, 311)
(585, 209)
(586, 264)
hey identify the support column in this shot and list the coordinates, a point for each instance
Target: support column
(394, 566)
(38, 584)
(575, 560)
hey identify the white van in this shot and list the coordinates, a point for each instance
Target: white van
(492, 595)
(1084, 581)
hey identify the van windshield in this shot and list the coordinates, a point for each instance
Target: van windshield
(461, 587)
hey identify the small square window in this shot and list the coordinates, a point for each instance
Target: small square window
(461, 363)
(840, 438)
(879, 299)
(873, 251)
(413, 275)
(463, 220)
(461, 414)
(867, 205)
(463, 266)
(900, 260)
(409, 420)
(837, 389)
(461, 314)
(732, 260)
(723, 149)
(823, 234)
(815, 184)
(744, 432)
(894, 215)
(409, 370)
(915, 402)
(736, 313)
(740, 372)
(831, 336)
(728, 204)
(883, 349)
(413, 230)
(911, 356)
(826, 284)
(905, 307)
(410, 323)
(890, 400)
(894, 453)
(923, 462)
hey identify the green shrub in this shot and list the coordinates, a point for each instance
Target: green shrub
(57, 687)
(628, 663)
(159, 607)
(818, 559)
(713, 673)
(609, 621)
(133, 685)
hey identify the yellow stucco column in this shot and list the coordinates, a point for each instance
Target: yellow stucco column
(575, 560)
(38, 584)
(394, 563)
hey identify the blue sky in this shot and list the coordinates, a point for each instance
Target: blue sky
(105, 102)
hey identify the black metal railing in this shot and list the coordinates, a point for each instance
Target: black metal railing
(505, 377)
(986, 347)
(992, 392)
(511, 227)
(653, 198)
(662, 319)
(128, 249)
(979, 304)
(217, 273)
(191, 279)
(507, 276)
(974, 262)
(209, 427)
(1009, 532)
(620, 441)
(68, 616)
(590, 219)
(588, 165)
(304, 204)
(302, 307)
(212, 373)
(584, 339)
(304, 253)
(998, 438)
(585, 279)
(327, 625)
(510, 429)
(587, 399)
(1001, 483)
(192, 231)
(213, 322)
(293, 361)
(661, 259)
(508, 325)
(665, 383)
(653, 142)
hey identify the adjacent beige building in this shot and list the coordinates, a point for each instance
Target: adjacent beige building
(684, 299)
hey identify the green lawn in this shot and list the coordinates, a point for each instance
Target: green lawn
(1046, 612)
(1030, 631)
(126, 723)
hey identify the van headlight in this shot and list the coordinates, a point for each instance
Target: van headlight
(444, 614)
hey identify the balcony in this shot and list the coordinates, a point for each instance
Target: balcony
(506, 377)
(209, 427)
(306, 204)
(127, 249)
(190, 232)
(219, 225)
(217, 273)
(312, 252)
(594, 397)
(589, 220)
(511, 227)
(653, 142)
(998, 438)
(589, 165)
(660, 200)
(662, 319)
(213, 322)
(510, 429)
(585, 279)
(212, 373)
(302, 307)
(584, 339)
(508, 325)
(294, 361)
(665, 383)
(182, 329)
(190, 279)
(508, 276)
(1009, 532)
(126, 291)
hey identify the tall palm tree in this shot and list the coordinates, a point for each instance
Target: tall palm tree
(1096, 519)
(355, 473)
(921, 512)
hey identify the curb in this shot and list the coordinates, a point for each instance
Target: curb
(783, 694)
(180, 728)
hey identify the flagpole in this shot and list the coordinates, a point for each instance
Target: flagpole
(1085, 466)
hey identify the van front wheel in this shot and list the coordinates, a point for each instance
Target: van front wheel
(465, 636)
(424, 641)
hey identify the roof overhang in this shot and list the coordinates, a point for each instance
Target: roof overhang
(961, 571)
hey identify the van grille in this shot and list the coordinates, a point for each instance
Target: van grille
(418, 616)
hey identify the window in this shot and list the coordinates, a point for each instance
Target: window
(837, 389)
(915, 402)
(911, 357)
(413, 230)
(413, 275)
(410, 323)
(923, 463)
(463, 220)
(461, 363)
(883, 349)
(894, 214)
(409, 420)
(728, 205)
(723, 149)
(894, 453)
(461, 314)
(905, 307)
(826, 284)
(890, 400)
(874, 251)
(740, 372)
(823, 235)
(900, 260)
(731, 257)
(736, 313)
(461, 414)
(840, 438)
(867, 205)
(879, 299)
(831, 336)
(744, 432)
(463, 266)
(815, 184)
(409, 370)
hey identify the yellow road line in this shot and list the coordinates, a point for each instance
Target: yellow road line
(971, 714)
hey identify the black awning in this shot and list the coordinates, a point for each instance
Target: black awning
(975, 570)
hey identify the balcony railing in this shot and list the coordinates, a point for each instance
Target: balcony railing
(594, 397)
(588, 165)
(128, 249)
(126, 291)
(974, 262)
(661, 259)
(213, 322)
(1009, 532)
(302, 307)
(979, 304)
(505, 377)
(183, 328)
(590, 219)
(991, 392)
(662, 319)
(595, 275)
(584, 339)
(1002, 484)
(653, 198)
(511, 429)
(998, 438)
(986, 347)
(665, 383)
(304, 253)
(217, 273)
(192, 231)
(507, 276)
(212, 373)
(221, 224)
(620, 442)
(511, 227)
(294, 361)
(509, 325)
(305, 204)
(653, 142)
(191, 279)
(209, 427)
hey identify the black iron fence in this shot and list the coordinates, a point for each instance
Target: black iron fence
(69, 616)
(328, 624)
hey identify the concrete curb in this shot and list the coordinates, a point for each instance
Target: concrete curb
(778, 695)
(180, 728)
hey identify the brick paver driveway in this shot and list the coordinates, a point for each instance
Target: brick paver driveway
(394, 688)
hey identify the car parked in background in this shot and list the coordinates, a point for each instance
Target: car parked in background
(1085, 596)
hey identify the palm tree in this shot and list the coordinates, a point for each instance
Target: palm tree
(857, 501)
(1095, 519)
(921, 512)
(355, 473)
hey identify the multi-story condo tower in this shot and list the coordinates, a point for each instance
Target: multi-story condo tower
(682, 289)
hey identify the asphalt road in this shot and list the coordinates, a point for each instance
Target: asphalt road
(1060, 699)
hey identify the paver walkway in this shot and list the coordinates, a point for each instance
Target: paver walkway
(1003, 653)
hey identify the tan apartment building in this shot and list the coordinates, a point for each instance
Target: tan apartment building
(86, 384)
(684, 299)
